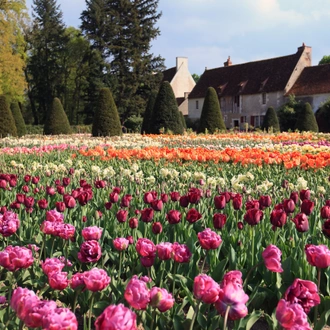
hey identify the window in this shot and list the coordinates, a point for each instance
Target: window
(197, 105)
(236, 100)
(264, 99)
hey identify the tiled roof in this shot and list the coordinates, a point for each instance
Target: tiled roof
(263, 76)
(169, 74)
(313, 80)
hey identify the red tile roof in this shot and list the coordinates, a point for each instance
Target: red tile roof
(263, 76)
(313, 80)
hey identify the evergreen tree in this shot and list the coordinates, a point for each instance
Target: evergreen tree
(183, 121)
(122, 31)
(211, 116)
(306, 120)
(18, 118)
(57, 121)
(106, 119)
(46, 68)
(165, 114)
(322, 116)
(147, 117)
(271, 121)
(7, 122)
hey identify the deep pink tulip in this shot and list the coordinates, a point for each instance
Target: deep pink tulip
(233, 276)
(272, 258)
(137, 293)
(184, 201)
(206, 289)
(304, 194)
(193, 215)
(133, 223)
(157, 205)
(2, 300)
(52, 265)
(50, 191)
(303, 292)
(209, 240)
(145, 247)
(114, 197)
(301, 222)
(194, 195)
(33, 318)
(60, 206)
(175, 196)
(65, 230)
(9, 223)
(148, 261)
(42, 203)
(180, 253)
(253, 216)
(173, 217)
(16, 257)
(157, 228)
(252, 204)
(96, 279)
(58, 281)
(60, 318)
(122, 215)
(220, 202)
(325, 212)
(54, 216)
(126, 200)
(237, 202)
(278, 218)
(90, 251)
(48, 228)
(115, 318)
(307, 206)
(147, 214)
(120, 243)
(318, 255)
(77, 281)
(92, 233)
(264, 202)
(326, 228)
(291, 316)
(219, 220)
(164, 250)
(69, 201)
(161, 299)
(289, 205)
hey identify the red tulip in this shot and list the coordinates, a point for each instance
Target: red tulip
(253, 204)
(133, 223)
(325, 212)
(264, 202)
(289, 205)
(184, 201)
(278, 218)
(193, 215)
(301, 222)
(194, 195)
(295, 197)
(237, 202)
(157, 205)
(66, 181)
(326, 228)
(220, 202)
(125, 200)
(304, 194)
(122, 215)
(175, 196)
(219, 220)
(60, 206)
(157, 228)
(253, 216)
(69, 201)
(173, 217)
(307, 206)
(148, 197)
(147, 214)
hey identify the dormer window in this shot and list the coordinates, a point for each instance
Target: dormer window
(264, 98)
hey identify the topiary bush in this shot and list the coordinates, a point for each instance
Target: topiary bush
(18, 118)
(306, 120)
(133, 124)
(147, 117)
(7, 122)
(183, 121)
(165, 115)
(271, 121)
(322, 116)
(57, 121)
(211, 117)
(106, 117)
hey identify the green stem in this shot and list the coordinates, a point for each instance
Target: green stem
(174, 272)
(204, 262)
(252, 250)
(249, 273)
(226, 317)
(153, 317)
(91, 312)
(74, 303)
(194, 316)
(318, 290)
(120, 261)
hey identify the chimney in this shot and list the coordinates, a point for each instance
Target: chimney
(228, 62)
(181, 62)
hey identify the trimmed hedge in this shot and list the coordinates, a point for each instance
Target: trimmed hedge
(271, 121)
(7, 121)
(306, 120)
(18, 118)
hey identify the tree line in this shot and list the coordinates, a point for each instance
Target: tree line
(43, 59)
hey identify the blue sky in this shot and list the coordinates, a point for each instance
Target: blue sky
(208, 31)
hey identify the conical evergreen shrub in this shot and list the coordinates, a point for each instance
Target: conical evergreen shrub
(7, 122)
(147, 117)
(211, 117)
(57, 121)
(106, 117)
(306, 120)
(165, 114)
(322, 116)
(183, 121)
(271, 121)
(18, 118)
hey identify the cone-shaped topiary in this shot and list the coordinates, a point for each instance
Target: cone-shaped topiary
(271, 121)
(211, 116)
(147, 117)
(183, 121)
(57, 121)
(19, 121)
(322, 116)
(7, 122)
(165, 114)
(306, 120)
(106, 117)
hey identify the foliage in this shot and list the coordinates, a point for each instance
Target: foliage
(306, 120)
(18, 118)
(13, 16)
(165, 115)
(271, 121)
(196, 77)
(322, 116)
(106, 119)
(147, 116)
(325, 60)
(133, 124)
(57, 121)
(122, 32)
(7, 122)
(287, 114)
(211, 116)
(183, 120)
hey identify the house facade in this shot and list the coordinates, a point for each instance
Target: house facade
(247, 90)
(181, 81)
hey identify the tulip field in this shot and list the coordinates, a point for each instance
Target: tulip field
(165, 232)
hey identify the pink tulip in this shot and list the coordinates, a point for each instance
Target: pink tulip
(318, 255)
(161, 299)
(96, 279)
(206, 289)
(180, 253)
(77, 280)
(17, 257)
(92, 233)
(209, 240)
(233, 276)
(54, 216)
(148, 261)
(272, 258)
(90, 251)
(52, 265)
(33, 318)
(137, 293)
(145, 247)
(65, 230)
(116, 318)
(9, 223)
(60, 318)
(58, 281)
(120, 243)
(164, 250)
